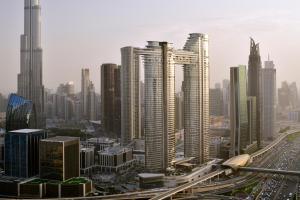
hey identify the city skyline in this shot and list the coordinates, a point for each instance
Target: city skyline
(102, 41)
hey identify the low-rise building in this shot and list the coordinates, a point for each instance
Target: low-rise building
(87, 159)
(101, 143)
(115, 159)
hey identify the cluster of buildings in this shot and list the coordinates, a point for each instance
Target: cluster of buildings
(151, 110)
(35, 165)
(252, 103)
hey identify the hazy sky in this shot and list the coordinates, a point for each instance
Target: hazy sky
(87, 33)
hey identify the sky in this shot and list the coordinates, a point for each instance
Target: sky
(86, 33)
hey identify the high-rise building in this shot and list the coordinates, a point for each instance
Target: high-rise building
(283, 96)
(215, 102)
(254, 84)
(196, 99)
(268, 100)
(293, 95)
(111, 98)
(160, 59)
(226, 97)
(30, 78)
(87, 96)
(22, 152)
(238, 109)
(85, 83)
(130, 95)
(91, 102)
(59, 158)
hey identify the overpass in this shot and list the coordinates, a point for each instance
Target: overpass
(253, 157)
(270, 171)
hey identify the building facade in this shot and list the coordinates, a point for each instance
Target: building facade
(268, 100)
(20, 113)
(111, 99)
(226, 97)
(251, 109)
(87, 159)
(196, 99)
(238, 109)
(30, 78)
(215, 102)
(85, 82)
(130, 95)
(22, 152)
(115, 159)
(59, 158)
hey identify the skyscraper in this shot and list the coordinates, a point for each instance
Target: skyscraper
(85, 83)
(110, 98)
(91, 102)
(254, 84)
(238, 109)
(196, 99)
(226, 97)
(160, 59)
(215, 102)
(130, 95)
(268, 100)
(284, 96)
(159, 105)
(30, 78)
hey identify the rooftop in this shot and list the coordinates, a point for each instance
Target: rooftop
(150, 175)
(101, 140)
(26, 131)
(87, 149)
(114, 150)
(61, 139)
(237, 161)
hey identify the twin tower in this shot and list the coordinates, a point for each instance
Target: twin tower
(160, 60)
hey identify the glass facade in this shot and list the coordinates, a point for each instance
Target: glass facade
(20, 113)
(238, 109)
(21, 152)
(51, 160)
(59, 158)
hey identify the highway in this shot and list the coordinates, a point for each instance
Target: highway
(188, 185)
(163, 193)
(255, 156)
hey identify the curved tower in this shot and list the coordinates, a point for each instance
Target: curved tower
(20, 113)
(254, 84)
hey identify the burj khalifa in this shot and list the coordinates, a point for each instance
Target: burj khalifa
(30, 79)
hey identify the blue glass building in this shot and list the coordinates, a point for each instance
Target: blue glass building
(20, 113)
(21, 152)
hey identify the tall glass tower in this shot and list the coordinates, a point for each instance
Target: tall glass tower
(30, 79)
(238, 109)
